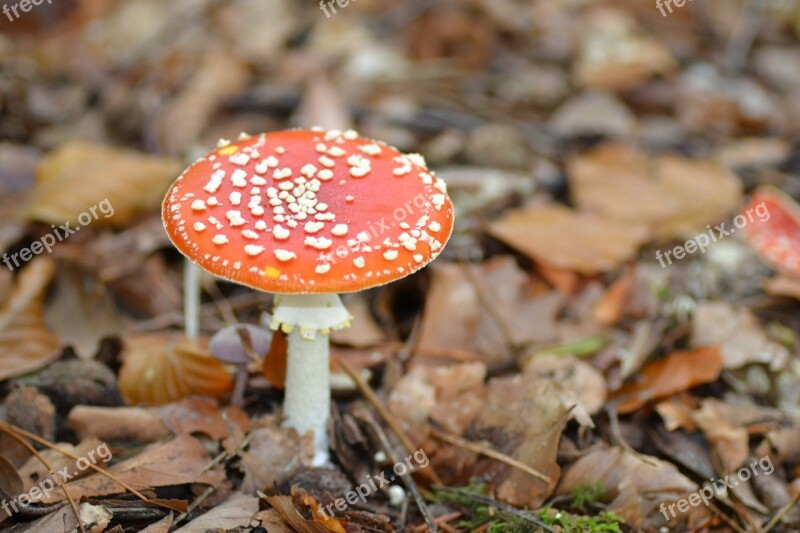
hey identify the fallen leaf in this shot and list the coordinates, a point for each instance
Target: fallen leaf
(181, 461)
(115, 183)
(234, 513)
(119, 424)
(634, 486)
(570, 240)
(275, 361)
(674, 373)
(609, 309)
(450, 395)
(730, 442)
(617, 54)
(522, 417)
(11, 485)
(64, 520)
(203, 415)
(674, 196)
(162, 526)
(578, 385)
(186, 116)
(273, 454)
(26, 342)
(288, 512)
(738, 334)
(158, 369)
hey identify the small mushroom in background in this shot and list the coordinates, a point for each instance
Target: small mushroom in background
(309, 214)
(239, 345)
(771, 225)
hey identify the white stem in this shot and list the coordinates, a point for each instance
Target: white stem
(191, 299)
(308, 319)
(307, 403)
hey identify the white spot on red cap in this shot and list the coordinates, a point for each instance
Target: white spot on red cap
(253, 249)
(284, 255)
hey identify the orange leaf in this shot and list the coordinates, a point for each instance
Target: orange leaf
(159, 369)
(275, 361)
(675, 373)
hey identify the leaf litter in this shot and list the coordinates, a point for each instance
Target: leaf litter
(556, 376)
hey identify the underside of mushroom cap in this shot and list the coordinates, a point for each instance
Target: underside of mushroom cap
(309, 211)
(312, 313)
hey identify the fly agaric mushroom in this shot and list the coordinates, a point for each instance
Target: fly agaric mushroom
(774, 231)
(309, 214)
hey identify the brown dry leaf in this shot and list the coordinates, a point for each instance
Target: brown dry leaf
(162, 526)
(450, 395)
(180, 461)
(455, 319)
(159, 369)
(203, 415)
(577, 384)
(271, 520)
(634, 489)
(616, 54)
(26, 343)
(570, 240)
(64, 520)
(783, 285)
(364, 331)
(522, 417)
(738, 333)
(186, 116)
(11, 485)
(609, 309)
(106, 179)
(273, 454)
(674, 373)
(673, 195)
(82, 311)
(319, 515)
(119, 424)
(730, 442)
(33, 472)
(235, 513)
(284, 506)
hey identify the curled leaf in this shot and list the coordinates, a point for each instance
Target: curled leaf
(159, 369)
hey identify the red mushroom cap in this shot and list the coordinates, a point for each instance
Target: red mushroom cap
(309, 211)
(775, 234)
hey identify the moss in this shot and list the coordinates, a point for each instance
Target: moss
(481, 512)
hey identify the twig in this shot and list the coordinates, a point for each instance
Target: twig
(17, 437)
(195, 504)
(489, 452)
(406, 478)
(376, 402)
(37, 439)
(782, 511)
(615, 431)
(728, 520)
(485, 500)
